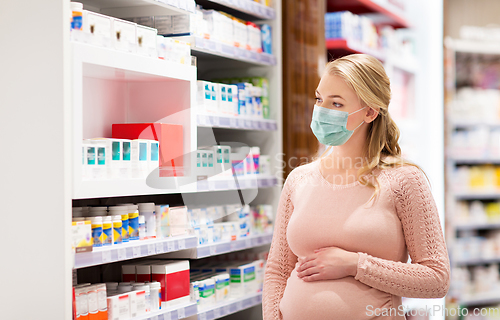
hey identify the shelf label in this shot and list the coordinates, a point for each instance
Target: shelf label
(256, 300)
(159, 247)
(181, 313)
(182, 244)
(215, 121)
(248, 123)
(167, 316)
(151, 249)
(232, 122)
(203, 316)
(213, 250)
(226, 310)
(170, 246)
(248, 243)
(154, 318)
(217, 313)
(136, 251)
(122, 254)
(239, 123)
(106, 256)
(239, 305)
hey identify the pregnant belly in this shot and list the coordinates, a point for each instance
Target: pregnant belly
(341, 299)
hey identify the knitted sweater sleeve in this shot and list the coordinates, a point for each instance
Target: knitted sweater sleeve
(281, 260)
(428, 275)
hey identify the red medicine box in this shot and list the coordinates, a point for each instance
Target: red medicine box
(173, 277)
(170, 139)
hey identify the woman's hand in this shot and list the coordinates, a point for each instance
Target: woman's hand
(327, 264)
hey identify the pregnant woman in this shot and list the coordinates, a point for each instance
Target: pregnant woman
(347, 222)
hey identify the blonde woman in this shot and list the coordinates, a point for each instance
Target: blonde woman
(347, 222)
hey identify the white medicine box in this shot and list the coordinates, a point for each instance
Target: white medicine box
(124, 35)
(207, 96)
(98, 27)
(146, 41)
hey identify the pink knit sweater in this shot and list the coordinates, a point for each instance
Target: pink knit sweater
(314, 214)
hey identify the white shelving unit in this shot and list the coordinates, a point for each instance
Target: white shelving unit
(468, 156)
(117, 87)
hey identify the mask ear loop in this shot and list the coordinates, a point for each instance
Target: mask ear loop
(361, 122)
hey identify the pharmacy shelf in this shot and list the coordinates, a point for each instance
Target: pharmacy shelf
(476, 195)
(213, 249)
(474, 159)
(109, 64)
(122, 188)
(478, 299)
(345, 46)
(478, 226)
(138, 8)
(251, 10)
(172, 313)
(479, 261)
(205, 48)
(403, 62)
(466, 123)
(232, 306)
(386, 13)
(473, 46)
(229, 122)
(133, 250)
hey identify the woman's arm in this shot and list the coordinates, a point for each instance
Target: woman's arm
(281, 260)
(428, 275)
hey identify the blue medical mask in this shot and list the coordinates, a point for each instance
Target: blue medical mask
(330, 126)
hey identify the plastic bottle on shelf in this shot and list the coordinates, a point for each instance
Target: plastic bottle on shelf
(148, 211)
(107, 231)
(147, 290)
(117, 229)
(123, 212)
(97, 234)
(125, 288)
(155, 295)
(76, 15)
(142, 228)
(98, 211)
(133, 222)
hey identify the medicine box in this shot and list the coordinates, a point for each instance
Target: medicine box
(124, 35)
(139, 158)
(128, 273)
(99, 28)
(206, 97)
(222, 287)
(242, 279)
(81, 233)
(146, 41)
(170, 138)
(143, 273)
(266, 39)
(173, 277)
(179, 221)
(117, 155)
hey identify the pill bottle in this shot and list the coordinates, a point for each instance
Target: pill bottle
(142, 228)
(125, 288)
(77, 212)
(117, 229)
(98, 211)
(123, 212)
(149, 212)
(76, 15)
(133, 222)
(155, 295)
(146, 288)
(97, 232)
(107, 231)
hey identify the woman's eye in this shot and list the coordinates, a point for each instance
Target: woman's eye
(337, 105)
(318, 99)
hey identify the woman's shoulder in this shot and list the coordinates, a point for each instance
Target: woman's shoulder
(403, 175)
(299, 172)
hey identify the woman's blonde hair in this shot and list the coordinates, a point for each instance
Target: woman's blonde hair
(366, 75)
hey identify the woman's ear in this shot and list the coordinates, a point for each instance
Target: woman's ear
(371, 114)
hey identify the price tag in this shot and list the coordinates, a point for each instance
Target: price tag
(248, 243)
(182, 244)
(203, 316)
(171, 246)
(154, 318)
(151, 249)
(136, 251)
(106, 256)
(122, 254)
(226, 310)
(159, 247)
(213, 250)
(181, 313)
(232, 122)
(248, 124)
(217, 313)
(215, 121)
(167, 316)
(239, 305)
